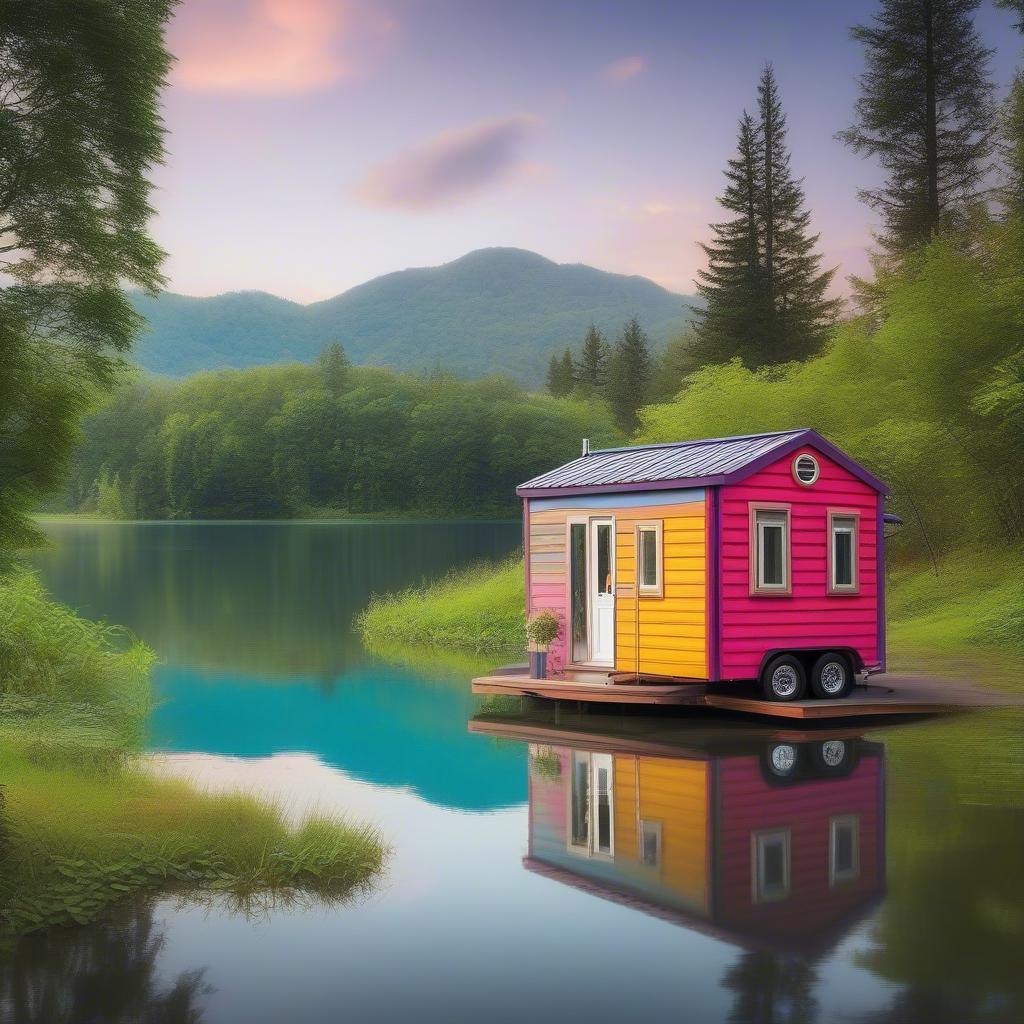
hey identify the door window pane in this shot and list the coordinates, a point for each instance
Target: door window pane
(604, 559)
(578, 584)
(844, 849)
(603, 843)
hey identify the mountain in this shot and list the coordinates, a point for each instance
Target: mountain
(492, 311)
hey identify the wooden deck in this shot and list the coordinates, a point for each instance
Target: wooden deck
(896, 695)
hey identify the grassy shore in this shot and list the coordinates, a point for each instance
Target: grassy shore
(84, 826)
(479, 609)
(973, 602)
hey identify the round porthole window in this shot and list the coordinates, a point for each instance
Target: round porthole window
(805, 469)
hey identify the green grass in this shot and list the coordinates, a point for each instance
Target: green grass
(479, 609)
(84, 825)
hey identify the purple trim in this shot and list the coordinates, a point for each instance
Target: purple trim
(526, 549)
(715, 590)
(880, 584)
(806, 437)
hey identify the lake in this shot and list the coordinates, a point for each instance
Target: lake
(547, 865)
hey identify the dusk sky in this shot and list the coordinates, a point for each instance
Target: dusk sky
(314, 144)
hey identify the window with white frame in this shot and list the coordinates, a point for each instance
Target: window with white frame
(650, 843)
(842, 553)
(649, 559)
(770, 854)
(843, 849)
(770, 556)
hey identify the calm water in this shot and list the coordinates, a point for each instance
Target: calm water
(546, 867)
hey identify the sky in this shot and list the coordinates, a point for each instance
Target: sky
(315, 144)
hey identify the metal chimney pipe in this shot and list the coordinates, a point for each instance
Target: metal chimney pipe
(586, 447)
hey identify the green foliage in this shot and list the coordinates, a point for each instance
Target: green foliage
(275, 441)
(591, 376)
(86, 827)
(334, 366)
(926, 112)
(672, 367)
(561, 375)
(629, 375)
(547, 763)
(504, 311)
(763, 288)
(941, 422)
(479, 609)
(542, 629)
(77, 139)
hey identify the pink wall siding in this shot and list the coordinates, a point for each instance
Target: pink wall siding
(748, 804)
(750, 625)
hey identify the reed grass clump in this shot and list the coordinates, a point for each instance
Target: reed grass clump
(478, 609)
(84, 825)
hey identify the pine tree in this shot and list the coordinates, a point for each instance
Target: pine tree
(1011, 127)
(732, 284)
(561, 375)
(334, 368)
(592, 367)
(926, 111)
(763, 289)
(798, 316)
(629, 376)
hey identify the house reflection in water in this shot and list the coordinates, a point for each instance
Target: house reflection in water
(776, 839)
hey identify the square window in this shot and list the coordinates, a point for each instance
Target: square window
(650, 843)
(843, 537)
(770, 865)
(843, 849)
(769, 563)
(649, 559)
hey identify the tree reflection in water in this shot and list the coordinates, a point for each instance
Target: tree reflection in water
(105, 972)
(772, 988)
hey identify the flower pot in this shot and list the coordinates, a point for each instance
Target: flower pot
(538, 664)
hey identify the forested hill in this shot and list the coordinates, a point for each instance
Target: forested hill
(504, 311)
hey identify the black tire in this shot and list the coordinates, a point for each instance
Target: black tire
(784, 679)
(782, 762)
(834, 758)
(832, 676)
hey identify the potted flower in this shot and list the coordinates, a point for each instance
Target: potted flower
(541, 630)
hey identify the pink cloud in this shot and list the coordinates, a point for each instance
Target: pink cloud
(272, 47)
(451, 167)
(623, 69)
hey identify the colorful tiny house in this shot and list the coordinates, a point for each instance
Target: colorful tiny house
(754, 557)
(778, 841)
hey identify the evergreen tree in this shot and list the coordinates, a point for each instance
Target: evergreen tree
(561, 375)
(629, 376)
(1011, 133)
(926, 111)
(798, 316)
(334, 367)
(592, 368)
(763, 289)
(731, 284)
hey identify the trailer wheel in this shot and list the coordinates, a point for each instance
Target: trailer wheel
(832, 676)
(834, 758)
(784, 678)
(781, 761)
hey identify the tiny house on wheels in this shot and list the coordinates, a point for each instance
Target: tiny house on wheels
(739, 558)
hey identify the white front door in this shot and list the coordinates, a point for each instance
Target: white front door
(601, 585)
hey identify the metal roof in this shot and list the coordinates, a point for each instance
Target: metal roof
(690, 463)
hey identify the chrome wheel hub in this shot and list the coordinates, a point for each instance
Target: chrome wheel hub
(833, 752)
(783, 758)
(784, 681)
(833, 677)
